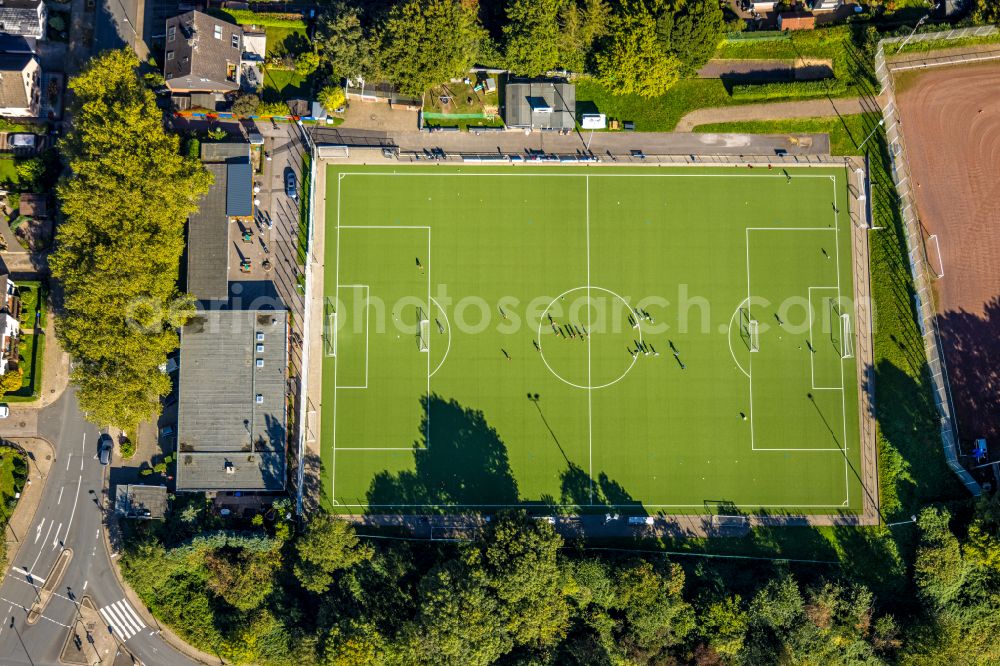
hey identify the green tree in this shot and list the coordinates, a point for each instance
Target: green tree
(723, 625)
(29, 172)
(580, 27)
(630, 59)
(650, 601)
(331, 97)
(531, 36)
(695, 32)
(245, 105)
(328, 545)
(427, 42)
(11, 381)
(343, 43)
(519, 560)
(119, 246)
(986, 11)
(459, 620)
(306, 63)
(938, 569)
(243, 579)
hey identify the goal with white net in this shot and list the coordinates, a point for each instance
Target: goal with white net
(846, 337)
(424, 335)
(330, 330)
(753, 333)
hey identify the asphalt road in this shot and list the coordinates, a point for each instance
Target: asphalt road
(69, 516)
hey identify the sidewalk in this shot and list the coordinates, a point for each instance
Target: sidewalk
(813, 108)
(40, 458)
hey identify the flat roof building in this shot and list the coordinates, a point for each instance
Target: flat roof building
(543, 104)
(208, 241)
(140, 501)
(231, 427)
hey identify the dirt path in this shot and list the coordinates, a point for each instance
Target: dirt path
(812, 108)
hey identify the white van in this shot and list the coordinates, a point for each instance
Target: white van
(640, 520)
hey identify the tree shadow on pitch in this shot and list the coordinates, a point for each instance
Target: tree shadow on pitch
(459, 460)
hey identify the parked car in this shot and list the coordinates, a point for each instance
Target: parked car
(640, 520)
(104, 448)
(4, 411)
(290, 186)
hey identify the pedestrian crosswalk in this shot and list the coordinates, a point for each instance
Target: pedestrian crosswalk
(122, 619)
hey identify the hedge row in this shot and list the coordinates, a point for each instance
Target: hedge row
(759, 36)
(265, 19)
(793, 89)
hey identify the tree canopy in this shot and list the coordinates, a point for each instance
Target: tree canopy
(426, 42)
(125, 203)
(531, 36)
(343, 43)
(631, 60)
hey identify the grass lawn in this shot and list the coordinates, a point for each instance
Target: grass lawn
(659, 114)
(938, 44)
(31, 347)
(446, 387)
(912, 470)
(13, 472)
(282, 41)
(285, 84)
(8, 170)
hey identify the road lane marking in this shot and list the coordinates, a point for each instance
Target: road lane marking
(38, 530)
(42, 549)
(55, 539)
(14, 603)
(59, 501)
(76, 499)
(27, 573)
(85, 585)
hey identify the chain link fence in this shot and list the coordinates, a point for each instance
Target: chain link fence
(922, 279)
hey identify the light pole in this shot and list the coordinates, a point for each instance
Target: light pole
(919, 23)
(913, 519)
(881, 123)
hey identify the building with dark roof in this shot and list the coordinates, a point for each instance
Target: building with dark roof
(23, 17)
(208, 242)
(231, 428)
(239, 187)
(20, 85)
(202, 53)
(141, 502)
(542, 104)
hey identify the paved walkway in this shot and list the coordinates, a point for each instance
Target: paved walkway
(40, 458)
(812, 108)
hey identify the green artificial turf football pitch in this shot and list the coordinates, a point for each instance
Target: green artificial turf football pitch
(583, 338)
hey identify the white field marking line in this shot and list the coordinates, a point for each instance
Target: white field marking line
(734, 174)
(336, 289)
(26, 573)
(730, 338)
(383, 226)
(812, 340)
(590, 379)
(427, 395)
(753, 447)
(336, 338)
(541, 321)
(843, 393)
(343, 175)
(447, 325)
(749, 506)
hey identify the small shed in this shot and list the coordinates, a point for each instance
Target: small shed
(141, 502)
(796, 21)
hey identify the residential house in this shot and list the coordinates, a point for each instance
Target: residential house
(10, 324)
(202, 53)
(20, 85)
(23, 17)
(543, 104)
(231, 428)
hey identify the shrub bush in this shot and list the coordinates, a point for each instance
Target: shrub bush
(794, 89)
(126, 448)
(265, 19)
